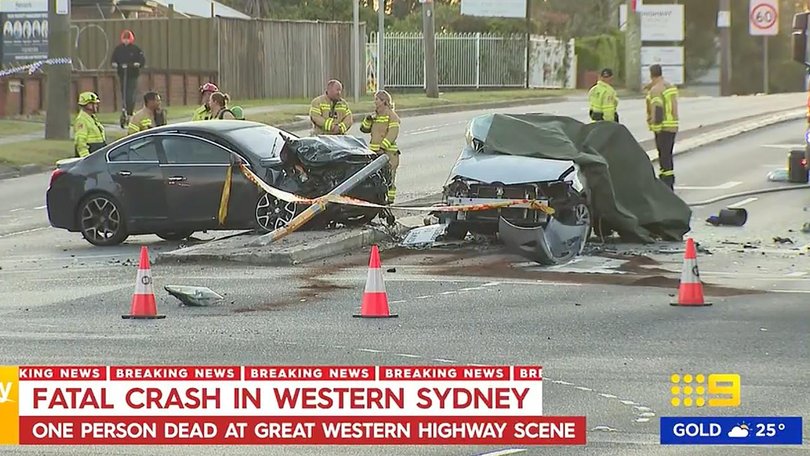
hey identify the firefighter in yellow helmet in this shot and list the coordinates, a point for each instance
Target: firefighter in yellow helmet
(329, 113)
(89, 135)
(383, 126)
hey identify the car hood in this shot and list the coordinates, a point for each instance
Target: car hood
(510, 169)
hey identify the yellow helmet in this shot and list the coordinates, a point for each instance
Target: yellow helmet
(88, 97)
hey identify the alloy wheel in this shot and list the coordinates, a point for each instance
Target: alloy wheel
(273, 213)
(101, 221)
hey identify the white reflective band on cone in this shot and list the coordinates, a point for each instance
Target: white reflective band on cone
(690, 273)
(374, 281)
(143, 284)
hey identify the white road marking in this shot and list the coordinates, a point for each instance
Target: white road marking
(785, 146)
(609, 396)
(23, 232)
(397, 302)
(40, 207)
(628, 402)
(504, 452)
(796, 274)
(422, 132)
(790, 291)
(725, 186)
(368, 350)
(743, 202)
(442, 360)
(406, 355)
(448, 292)
(583, 388)
(642, 420)
(18, 209)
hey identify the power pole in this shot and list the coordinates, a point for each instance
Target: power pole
(380, 44)
(429, 34)
(632, 49)
(724, 21)
(356, 47)
(57, 121)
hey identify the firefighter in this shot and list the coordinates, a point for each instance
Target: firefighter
(329, 113)
(603, 99)
(662, 119)
(204, 111)
(383, 126)
(148, 116)
(89, 133)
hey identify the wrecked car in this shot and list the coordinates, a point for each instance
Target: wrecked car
(481, 177)
(169, 181)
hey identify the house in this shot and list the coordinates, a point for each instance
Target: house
(134, 9)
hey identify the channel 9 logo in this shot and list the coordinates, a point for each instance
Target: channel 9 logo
(716, 390)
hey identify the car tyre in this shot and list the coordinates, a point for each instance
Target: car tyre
(174, 235)
(272, 213)
(101, 221)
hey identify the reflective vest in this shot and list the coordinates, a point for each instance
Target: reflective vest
(325, 113)
(142, 120)
(202, 113)
(384, 129)
(662, 107)
(88, 135)
(603, 102)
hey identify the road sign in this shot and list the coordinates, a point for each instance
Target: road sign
(763, 17)
(494, 8)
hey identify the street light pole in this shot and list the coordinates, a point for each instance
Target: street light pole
(429, 35)
(356, 47)
(380, 44)
(57, 121)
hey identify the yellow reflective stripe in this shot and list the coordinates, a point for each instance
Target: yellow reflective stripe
(667, 173)
(314, 110)
(342, 127)
(327, 125)
(365, 123)
(394, 124)
(374, 147)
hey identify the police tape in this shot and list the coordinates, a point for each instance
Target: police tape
(346, 200)
(31, 68)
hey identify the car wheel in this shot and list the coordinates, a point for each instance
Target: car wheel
(273, 213)
(101, 221)
(174, 235)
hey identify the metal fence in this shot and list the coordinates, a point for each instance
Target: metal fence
(474, 60)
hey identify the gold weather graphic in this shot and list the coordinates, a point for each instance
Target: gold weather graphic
(716, 390)
(9, 405)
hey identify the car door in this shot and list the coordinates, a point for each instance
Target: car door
(194, 171)
(135, 168)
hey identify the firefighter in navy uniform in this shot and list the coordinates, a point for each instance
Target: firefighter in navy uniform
(89, 135)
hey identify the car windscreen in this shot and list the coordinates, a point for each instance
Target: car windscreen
(264, 142)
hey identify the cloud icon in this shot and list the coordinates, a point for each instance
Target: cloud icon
(739, 431)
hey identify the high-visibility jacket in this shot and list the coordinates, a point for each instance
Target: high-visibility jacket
(142, 120)
(603, 102)
(202, 113)
(662, 106)
(88, 135)
(384, 129)
(325, 113)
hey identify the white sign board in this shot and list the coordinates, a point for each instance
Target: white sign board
(763, 17)
(23, 6)
(662, 55)
(494, 8)
(672, 73)
(658, 22)
(62, 6)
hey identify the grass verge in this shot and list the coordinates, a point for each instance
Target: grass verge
(41, 152)
(18, 127)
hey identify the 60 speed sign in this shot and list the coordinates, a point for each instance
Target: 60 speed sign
(763, 17)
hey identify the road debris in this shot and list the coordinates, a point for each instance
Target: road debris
(194, 296)
(729, 217)
(781, 240)
(423, 237)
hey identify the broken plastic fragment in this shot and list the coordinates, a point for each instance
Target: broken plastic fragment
(194, 296)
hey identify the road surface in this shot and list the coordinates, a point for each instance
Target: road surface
(607, 349)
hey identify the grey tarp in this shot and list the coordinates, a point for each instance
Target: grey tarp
(625, 193)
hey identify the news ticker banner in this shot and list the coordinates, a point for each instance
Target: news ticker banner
(731, 430)
(279, 405)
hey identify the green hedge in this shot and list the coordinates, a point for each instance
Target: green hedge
(601, 51)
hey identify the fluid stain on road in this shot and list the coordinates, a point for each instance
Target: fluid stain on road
(314, 287)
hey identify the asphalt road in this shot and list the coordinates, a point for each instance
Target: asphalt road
(607, 350)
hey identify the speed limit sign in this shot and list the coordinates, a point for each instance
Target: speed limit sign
(763, 17)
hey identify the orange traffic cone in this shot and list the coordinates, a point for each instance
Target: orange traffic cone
(690, 292)
(375, 299)
(143, 305)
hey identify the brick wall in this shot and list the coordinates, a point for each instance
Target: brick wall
(28, 94)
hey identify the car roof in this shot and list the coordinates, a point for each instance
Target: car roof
(207, 126)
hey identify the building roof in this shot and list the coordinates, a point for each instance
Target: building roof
(202, 8)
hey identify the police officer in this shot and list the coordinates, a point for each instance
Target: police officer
(383, 126)
(329, 113)
(89, 133)
(662, 120)
(603, 99)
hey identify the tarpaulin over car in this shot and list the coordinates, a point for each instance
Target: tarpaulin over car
(625, 193)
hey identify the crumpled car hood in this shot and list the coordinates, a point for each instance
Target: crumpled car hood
(509, 169)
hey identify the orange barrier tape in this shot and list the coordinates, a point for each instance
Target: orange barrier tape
(347, 200)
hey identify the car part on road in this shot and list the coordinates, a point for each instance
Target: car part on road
(730, 217)
(101, 220)
(778, 175)
(320, 204)
(174, 235)
(194, 296)
(797, 167)
(556, 243)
